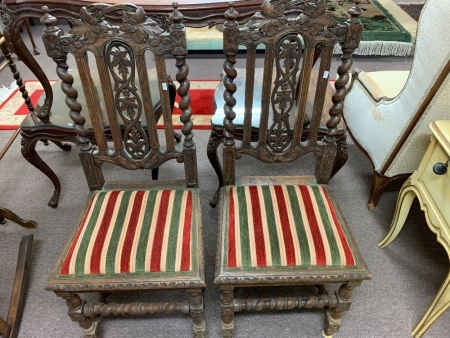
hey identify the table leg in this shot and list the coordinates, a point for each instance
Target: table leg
(440, 303)
(215, 140)
(404, 201)
(8, 214)
(30, 154)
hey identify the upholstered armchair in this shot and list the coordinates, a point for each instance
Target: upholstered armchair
(388, 112)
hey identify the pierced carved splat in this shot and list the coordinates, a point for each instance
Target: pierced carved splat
(289, 50)
(122, 66)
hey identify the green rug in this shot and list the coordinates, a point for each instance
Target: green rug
(388, 30)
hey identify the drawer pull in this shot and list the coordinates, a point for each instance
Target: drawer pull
(440, 168)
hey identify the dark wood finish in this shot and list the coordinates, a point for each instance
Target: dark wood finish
(30, 35)
(280, 138)
(10, 327)
(309, 126)
(43, 126)
(36, 127)
(8, 61)
(124, 104)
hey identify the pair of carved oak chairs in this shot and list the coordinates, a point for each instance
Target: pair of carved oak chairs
(148, 235)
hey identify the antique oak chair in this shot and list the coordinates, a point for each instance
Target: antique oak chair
(388, 112)
(132, 236)
(285, 231)
(217, 126)
(49, 121)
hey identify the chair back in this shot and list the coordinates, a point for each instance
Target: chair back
(120, 54)
(425, 96)
(296, 68)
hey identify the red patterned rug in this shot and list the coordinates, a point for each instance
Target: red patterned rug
(13, 109)
(12, 106)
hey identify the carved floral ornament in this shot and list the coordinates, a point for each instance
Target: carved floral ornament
(315, 19)
(135, 24)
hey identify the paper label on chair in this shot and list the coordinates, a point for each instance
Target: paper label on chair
(326, 74)
(164, 86)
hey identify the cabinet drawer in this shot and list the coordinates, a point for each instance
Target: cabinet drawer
(437, 187)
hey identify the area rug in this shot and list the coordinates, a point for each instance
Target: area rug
(13, 109)
(387, 29)
(202, 104)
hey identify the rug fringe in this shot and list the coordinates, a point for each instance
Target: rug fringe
(380, 48)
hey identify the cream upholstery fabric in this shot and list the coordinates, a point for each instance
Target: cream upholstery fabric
(377, 125)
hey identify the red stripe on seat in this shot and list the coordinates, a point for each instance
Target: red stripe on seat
(285, 226)
(258, 227)
(131, 231)
(102, 231)
(155, 263)
(231, 232)
(313, 225)
(186, 244)
(349, 259)
(65, 266)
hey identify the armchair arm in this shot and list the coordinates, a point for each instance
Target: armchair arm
(383, 85)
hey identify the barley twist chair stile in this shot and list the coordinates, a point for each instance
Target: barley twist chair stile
(285, 231)
(132, 236)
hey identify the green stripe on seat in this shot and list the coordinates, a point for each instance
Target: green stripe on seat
(173, 232)
(117, 231)
(82, 251)
(141, 251)
(335, 254)
(306, 206)
(273, 234)
(300, 226)
(113, 231)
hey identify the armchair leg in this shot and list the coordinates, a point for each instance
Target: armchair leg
(379, 183)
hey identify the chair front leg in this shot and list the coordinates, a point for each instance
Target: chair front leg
(227, 311)
(333, 315)
(76, 305)
(197, 313)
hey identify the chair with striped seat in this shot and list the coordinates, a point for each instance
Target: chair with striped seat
(280, 232)
(141, 235)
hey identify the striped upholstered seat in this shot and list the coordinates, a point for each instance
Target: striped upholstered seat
(283, 226)
(135, 232)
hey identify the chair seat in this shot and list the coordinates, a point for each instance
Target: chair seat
(287, 228)
(141, 233)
